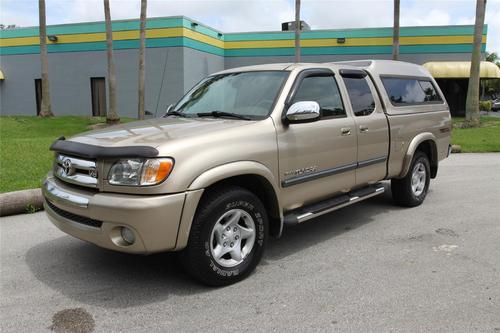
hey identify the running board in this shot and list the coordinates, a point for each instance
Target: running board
(305, 213)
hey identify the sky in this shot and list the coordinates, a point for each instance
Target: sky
(264, 15)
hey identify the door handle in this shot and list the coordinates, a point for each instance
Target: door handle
(345, 131)
(363, 129)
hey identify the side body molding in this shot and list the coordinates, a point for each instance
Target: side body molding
(412, 147)
(212, 176)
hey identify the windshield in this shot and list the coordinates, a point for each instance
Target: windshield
(248, 94)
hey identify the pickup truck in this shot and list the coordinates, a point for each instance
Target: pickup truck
(244, 153)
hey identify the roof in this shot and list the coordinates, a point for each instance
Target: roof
(388, 67)
(379, 67)
(461, 69)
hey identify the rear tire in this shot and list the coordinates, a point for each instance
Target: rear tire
(411, 190)
(227, 237)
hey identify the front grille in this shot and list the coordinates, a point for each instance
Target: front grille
(74, 217)
(76, 171)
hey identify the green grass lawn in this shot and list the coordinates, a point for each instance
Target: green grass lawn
(477, 140)
(25, 158)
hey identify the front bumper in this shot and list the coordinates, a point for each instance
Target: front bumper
(98, 217)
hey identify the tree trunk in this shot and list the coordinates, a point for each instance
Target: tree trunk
(395, 33)
(142, 60)
(297, 30)
(472, 103)
(111, 115)
(45, 107)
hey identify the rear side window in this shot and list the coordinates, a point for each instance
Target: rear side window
(402, 91)
(360, 95)
(324, 90)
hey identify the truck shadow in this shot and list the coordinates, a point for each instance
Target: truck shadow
(323, 228)
(91, 275)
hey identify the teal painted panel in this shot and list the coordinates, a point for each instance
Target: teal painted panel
(356, 33)
(186, 23)
(347, 50)
(15, 50)
(78, 28)
(439, 48)
(194, 44)
(235, 37)
(285, 51)
(354, 50)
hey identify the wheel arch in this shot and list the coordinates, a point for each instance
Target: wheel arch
(425, 142)
(253, 176)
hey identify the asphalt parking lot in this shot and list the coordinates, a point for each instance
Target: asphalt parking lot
(372, 267)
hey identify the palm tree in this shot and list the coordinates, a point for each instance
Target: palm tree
(45, 108)
(297, 30)
(472, 103)
(142, 50)
(111, 116)
(395, 34)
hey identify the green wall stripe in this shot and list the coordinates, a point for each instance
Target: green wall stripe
(172, 22)
(356, 33)
(203, 29)
(197, 45)
(346, 50)
(81, 28)
(285, 51)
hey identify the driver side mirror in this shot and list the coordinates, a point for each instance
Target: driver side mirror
(169, 108)
(302, 112)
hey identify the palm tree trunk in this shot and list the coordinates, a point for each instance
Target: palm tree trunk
(297, 30)
(142, 56)
(111, 115)
(46, 107)
(472, 103)
(395, 34)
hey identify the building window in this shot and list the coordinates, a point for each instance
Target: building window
(38, 95)
(98, 91)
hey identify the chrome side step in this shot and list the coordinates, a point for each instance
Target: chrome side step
(305, 213)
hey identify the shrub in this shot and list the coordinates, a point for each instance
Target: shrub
(485, 105)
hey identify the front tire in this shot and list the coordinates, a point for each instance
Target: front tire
(227, 237)
(411, 190)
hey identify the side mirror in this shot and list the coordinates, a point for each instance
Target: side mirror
(169, 108)
(302, 112)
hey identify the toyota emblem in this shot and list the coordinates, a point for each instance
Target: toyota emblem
(67, 167)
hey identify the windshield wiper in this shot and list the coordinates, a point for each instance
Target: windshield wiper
(175, 113)
(218, 114)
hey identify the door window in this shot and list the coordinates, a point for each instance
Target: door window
(323, 90)
(360, 95)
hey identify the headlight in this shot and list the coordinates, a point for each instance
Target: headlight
(139, 172)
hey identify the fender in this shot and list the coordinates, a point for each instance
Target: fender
(212, 176)
(232, 169)
(412, 147)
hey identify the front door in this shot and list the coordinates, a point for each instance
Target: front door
(371, 126)
(317, 159)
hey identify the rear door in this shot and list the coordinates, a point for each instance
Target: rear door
(371, 127)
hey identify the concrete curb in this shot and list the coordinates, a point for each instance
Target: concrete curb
(18, 202)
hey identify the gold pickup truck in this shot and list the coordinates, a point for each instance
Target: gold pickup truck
(246, 152)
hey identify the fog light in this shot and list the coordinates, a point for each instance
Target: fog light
(127, 235)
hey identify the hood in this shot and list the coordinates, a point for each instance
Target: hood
(157, 131)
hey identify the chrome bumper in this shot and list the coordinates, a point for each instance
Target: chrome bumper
(98, 217)
(56, 195)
